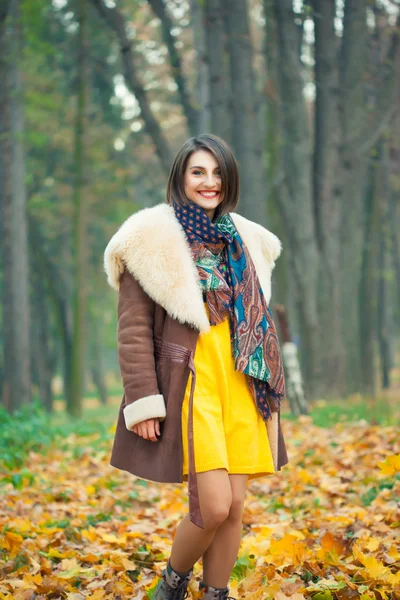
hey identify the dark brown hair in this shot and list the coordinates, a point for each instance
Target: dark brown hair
(227, 164)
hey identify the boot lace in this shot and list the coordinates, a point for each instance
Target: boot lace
(178, 593)
(222, 594)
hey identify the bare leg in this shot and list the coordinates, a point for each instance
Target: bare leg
(190, 542)
(221, 555)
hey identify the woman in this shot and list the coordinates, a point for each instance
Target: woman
(199, 357)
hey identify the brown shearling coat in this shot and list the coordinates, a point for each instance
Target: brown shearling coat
(160, 316)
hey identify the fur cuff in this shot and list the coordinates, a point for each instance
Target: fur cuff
(148, 407)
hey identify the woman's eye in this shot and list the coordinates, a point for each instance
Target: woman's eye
(196, 172)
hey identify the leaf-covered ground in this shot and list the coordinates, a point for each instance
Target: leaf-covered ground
(326, 526)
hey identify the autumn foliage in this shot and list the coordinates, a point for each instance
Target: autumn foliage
(327, 526)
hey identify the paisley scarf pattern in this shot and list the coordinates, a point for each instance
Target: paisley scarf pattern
(231, 288)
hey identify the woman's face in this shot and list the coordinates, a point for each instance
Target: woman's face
(203, 181)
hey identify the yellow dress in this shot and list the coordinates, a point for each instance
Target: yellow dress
(229, 431)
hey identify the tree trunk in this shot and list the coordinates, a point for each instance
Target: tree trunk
(189, 110)
(368, 286)
(353, 64)
(386, 328)
(96, 356)
(17, 376)
(395, 245)
(296, 204)
(80, 253)
(246, 136)
(5, 205)
(43, 358)
(116, 22)
(291, 364)
(202, 91)
(219, 88)
(59, 293)
(327, 194)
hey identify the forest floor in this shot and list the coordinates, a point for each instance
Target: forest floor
(326, 526)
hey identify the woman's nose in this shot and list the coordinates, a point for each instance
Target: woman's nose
(210, 181)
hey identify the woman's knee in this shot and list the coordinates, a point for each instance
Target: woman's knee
(216, 514)
(236, 508)
(215, 495)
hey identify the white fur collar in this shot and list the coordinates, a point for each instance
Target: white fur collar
(152, 245)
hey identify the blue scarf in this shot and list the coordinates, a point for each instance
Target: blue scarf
(231, 287)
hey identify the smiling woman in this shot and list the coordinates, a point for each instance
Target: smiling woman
(205, 174)
(203, 181)
(199, 357)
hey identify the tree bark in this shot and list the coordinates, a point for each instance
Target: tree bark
(386, 295)
(246, 136)
(115, 21)
(80, 251)
(296, 205)
(59, 294)
(202, 92)
(17, 375)
(291, 364)
(219, 87)
(43, 356)
(96, 367)
(327, 194)
(368, 298)
(189, 110)
(353, 66)
(275, 171)
(5, 204)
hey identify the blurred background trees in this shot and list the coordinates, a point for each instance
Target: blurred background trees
(96, 96)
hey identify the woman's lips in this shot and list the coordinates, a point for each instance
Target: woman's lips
(209, 195)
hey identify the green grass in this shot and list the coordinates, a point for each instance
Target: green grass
(378, 411)
(32, 429)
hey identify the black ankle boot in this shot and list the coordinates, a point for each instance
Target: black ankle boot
(172, 586)
(213, 593)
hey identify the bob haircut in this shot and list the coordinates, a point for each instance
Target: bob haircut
(227, 164)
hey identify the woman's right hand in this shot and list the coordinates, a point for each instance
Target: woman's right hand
(148, 429)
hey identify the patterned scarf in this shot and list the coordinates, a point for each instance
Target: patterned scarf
(230, 286)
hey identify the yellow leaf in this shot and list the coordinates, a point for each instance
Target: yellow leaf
(114, 539)
(375, 568)
(394, 552)
(128, 565)
(33, 579)
(304, 476)
(372, 544)
(23, 525)
(97, 595)
(393, 578)
(90, 535)
(55, 553)
(152, 583)
(89, 558)
(12, 542)
(134, 534)
(331, 543)
(298, 534)
(391, 465)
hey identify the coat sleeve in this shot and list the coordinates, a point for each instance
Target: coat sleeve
(136, 353)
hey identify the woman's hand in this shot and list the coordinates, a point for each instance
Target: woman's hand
(148, 429)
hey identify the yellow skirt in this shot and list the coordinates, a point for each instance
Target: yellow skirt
(229, 432)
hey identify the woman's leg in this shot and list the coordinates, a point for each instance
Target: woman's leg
(191, 542)
(220, 557)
